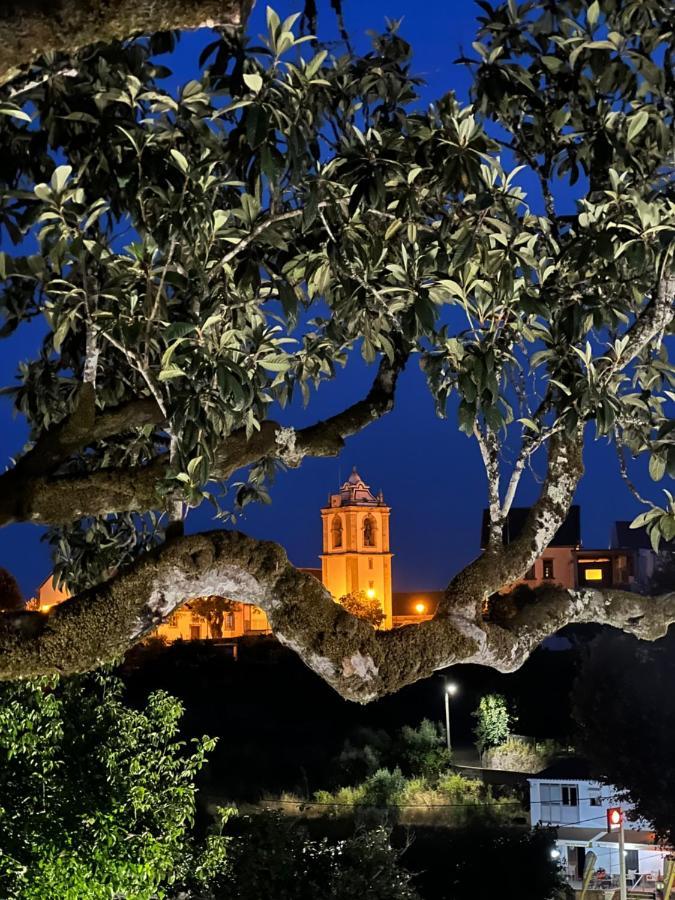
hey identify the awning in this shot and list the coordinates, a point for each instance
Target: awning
(632, 838)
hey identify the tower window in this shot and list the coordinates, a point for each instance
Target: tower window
(370, 562)
(336, 529)
(369, 532)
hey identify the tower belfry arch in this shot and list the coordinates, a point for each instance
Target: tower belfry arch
(356, 555)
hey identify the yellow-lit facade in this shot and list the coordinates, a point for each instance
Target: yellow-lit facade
(356, 554)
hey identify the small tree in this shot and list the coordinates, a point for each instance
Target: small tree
(423, 750)
(10, 593)
(493, 725)
(359, 604)
(213, 609)
(96, 798)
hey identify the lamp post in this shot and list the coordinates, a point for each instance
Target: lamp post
(450, 691)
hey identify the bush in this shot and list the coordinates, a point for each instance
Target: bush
(96, 799)
(422, 750)
(517, 755)
(416, 752)
(273, 858)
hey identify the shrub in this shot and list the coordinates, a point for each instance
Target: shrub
(97, 799)
(422, 750)
(517, 755)
(273, 858)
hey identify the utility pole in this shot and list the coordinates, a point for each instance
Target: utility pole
(623, 893)
(615, 819)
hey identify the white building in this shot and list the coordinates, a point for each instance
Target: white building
(564, 795)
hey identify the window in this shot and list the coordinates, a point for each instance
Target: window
(336, 529)
(548, 568)
(595, 796)
(370, 562)
(172, 620)
(570, 796)
(593, 574)
(371, 584)
(530, 575)
(229, 621)
(632, 861)
(551, 806)
(195, 632)
(369, 532)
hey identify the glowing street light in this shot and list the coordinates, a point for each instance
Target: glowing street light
(420, 607)
(370, 593)
(450, 691)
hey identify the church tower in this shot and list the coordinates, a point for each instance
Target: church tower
(356, 553)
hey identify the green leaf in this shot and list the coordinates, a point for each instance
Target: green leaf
(43, 192)
(9, 109)
(172, 371)
(593, 14)
(253, 81)
(636, 123)
(60, 177)
(180, 160)
(279, 363)
(657, 466)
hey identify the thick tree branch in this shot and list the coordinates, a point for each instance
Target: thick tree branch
(31, 28)
(503, 564)
(360, 662)
(42, 499)
(80, 429)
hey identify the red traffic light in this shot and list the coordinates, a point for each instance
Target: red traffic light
(614, 818)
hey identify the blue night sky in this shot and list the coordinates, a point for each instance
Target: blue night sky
(431, 474)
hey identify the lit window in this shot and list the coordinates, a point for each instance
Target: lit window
(548, 568)
(593, 574)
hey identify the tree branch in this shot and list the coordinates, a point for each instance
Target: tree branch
(29, 494)
(361, 663)
(504, 564)
(32, 28)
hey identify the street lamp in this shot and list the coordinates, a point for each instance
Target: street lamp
(450, 691)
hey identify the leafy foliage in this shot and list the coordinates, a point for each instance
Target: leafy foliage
(98, 798)
(213, 609)
(358, 603)
(228, 246)
(417, 751)
(493, 722)
(625, 722)
(274, 858)
(10, 592)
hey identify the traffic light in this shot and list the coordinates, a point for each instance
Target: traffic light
(614, 818)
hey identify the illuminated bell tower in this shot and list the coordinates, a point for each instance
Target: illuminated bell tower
(356, 553)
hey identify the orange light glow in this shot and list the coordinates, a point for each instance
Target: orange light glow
(420, 607)
(370, 593)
